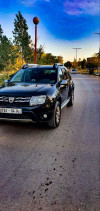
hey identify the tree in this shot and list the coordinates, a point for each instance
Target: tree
(59, 59)
(21, 37)
(68, 64)
(1, 33)
(96, 55)
(4, 52)
(40, 51)
(83, 63)
(48, 58)
(91, 67)
(7, 53)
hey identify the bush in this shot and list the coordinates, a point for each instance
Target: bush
(3, 77)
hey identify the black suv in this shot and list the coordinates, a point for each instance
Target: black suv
(37, 92)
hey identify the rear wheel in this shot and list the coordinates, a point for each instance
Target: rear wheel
(71, 102)
(55, 120)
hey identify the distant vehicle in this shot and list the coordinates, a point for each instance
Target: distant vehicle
(37, 92)
(73, 71)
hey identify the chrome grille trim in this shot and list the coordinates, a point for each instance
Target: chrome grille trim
(16, 99)
(22, 99)
(1, 99)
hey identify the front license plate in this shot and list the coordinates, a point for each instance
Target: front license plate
(10, 111)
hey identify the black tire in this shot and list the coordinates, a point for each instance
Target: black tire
(55, 120)
(71, 99)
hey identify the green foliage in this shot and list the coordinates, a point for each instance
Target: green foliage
(3, 77)
(7, 54)
(68, 64)
(91, 67)
(13, 54)
(83, 63)
(39, 54)
(49, 59)
(5, 51)
(21, 37)
(59, 59)
(1, 33)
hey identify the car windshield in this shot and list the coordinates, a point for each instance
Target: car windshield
(35, 75)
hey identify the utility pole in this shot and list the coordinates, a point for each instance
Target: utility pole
(99, 40)
(76, 53)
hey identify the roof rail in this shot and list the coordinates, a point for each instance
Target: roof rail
(57, 64)
(29, 65)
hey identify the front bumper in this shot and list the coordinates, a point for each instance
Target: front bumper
(36, 114)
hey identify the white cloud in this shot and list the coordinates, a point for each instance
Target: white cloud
(77, 7)
(31, 3)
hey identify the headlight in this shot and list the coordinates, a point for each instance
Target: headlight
(37, 100)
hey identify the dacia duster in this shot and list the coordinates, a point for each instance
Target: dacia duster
(37, 92)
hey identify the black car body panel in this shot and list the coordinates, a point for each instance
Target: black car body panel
(24, 89)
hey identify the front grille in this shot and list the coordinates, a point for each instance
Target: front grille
(18, 101)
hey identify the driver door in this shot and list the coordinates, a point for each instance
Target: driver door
(64, 83)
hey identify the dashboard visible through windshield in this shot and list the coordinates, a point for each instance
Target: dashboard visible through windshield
(35, 75)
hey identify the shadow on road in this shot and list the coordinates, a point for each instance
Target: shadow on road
(24, 125)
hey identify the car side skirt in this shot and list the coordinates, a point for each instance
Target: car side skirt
(65, 103)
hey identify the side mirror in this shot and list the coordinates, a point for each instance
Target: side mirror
(64, 82)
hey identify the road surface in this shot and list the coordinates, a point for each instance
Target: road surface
(54, 169)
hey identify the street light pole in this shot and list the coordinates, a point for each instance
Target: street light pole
(99, 39)
(35, 21)
(99, 51)
(76, 52)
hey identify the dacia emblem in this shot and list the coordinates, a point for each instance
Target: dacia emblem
(11, 99)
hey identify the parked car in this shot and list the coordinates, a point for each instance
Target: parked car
(37, 92)
(73, 71)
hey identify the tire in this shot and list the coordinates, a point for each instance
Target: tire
(71, 102)
(55, 120)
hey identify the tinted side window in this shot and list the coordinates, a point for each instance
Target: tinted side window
(63, 74)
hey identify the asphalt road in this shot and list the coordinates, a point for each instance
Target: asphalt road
(54, 169)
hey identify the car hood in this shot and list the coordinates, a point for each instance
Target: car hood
(24, 89)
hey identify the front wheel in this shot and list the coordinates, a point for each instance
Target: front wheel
(55, 120)
(71, 102)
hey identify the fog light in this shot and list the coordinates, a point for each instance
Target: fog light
(45, 116)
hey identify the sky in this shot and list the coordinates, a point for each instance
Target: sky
(64, 24)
